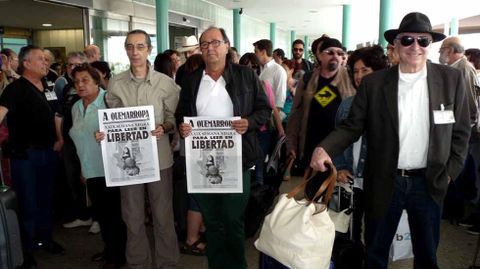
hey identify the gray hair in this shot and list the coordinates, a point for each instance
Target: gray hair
(457, 48)
(77, 54)
(139, 31)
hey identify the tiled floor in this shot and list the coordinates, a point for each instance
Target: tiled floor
(455, 252)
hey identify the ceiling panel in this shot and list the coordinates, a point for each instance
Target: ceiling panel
(32, 14)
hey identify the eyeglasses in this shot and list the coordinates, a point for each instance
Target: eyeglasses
(340, 53)
(297, 49)
(139, 47)
(423, 41)
(215, 44)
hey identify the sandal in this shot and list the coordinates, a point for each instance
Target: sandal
(192, 249)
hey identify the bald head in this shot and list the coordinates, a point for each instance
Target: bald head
(451, 50)
(93, 53)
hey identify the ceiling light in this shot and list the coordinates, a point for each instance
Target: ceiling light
(47, 24)
(313, 11)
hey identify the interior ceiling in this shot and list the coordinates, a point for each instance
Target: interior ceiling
(32, 14)
(466, 25)
(305, 17)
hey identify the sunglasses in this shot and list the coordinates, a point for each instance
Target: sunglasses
(333, 52)
(297, 49)
(423, 41)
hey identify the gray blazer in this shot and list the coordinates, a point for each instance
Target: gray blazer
(375, 112)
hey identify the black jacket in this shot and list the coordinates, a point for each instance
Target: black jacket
(248, 98)
(375, 111)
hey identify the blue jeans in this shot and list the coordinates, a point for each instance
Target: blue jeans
(424, 215)
(33, 182)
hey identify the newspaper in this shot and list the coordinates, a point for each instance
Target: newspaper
(129, 150)
(213, 153)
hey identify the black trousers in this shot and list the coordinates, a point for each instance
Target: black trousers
(106, 201)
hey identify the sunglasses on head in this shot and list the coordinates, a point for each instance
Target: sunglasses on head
(407, 40)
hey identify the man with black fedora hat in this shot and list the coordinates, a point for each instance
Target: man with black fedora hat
(416, 118)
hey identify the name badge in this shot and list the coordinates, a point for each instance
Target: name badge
(51, 96)
(443, 116)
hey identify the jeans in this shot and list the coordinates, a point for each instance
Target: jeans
(424, 215)
(33, 182)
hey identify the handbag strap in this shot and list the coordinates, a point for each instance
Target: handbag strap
(328, 184)
(286, 175)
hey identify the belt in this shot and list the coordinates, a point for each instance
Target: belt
(411, 173)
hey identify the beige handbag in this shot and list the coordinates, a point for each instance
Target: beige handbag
(299, 234)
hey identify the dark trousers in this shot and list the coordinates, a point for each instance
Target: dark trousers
(424, 214)
(265, 141)
(76, 192)
(106, 201)
(33, 179)
(223, 214)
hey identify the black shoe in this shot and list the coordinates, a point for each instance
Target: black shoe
(467, 222)
(98, 257)
(53, 248)
(475, 230)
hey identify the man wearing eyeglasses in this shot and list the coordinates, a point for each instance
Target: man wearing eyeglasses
(142, 85)
(301, 65)
(223, 89)
(317, 98)
(452, 53)
(416, 118)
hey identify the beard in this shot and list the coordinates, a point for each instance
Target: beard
(443, 59)
(332, 66)
(297, 56)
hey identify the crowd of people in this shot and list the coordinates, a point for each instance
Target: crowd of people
(420, 120)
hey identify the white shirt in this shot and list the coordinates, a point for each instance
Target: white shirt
(213, 99)
(413, 119)
(277, 76)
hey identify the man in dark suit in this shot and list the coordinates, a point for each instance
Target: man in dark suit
(416, 119)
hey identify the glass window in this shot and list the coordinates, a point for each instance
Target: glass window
(14, 43)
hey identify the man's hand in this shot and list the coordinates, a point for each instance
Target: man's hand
(241, 125)
(344, 176)
(99, 136)
(158, 132)
(185, 129)
(319, 158)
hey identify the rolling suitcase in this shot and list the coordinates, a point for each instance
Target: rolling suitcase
(11, 255)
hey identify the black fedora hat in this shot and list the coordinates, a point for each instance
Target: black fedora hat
(414, 22)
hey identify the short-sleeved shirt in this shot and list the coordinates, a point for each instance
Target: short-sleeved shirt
(64, 108)
(30, 119)
(85, 124)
